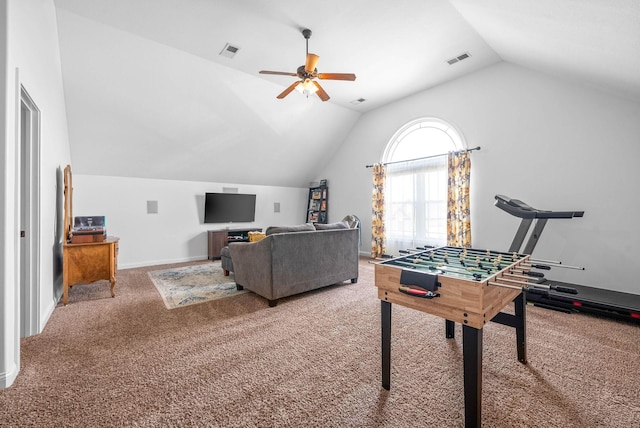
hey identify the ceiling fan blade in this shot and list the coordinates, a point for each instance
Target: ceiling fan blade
(337, 76)
(288, 90)
(312, 61)
(281, 73)
(321, 93)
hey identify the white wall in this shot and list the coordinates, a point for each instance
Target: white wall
(177, 232)
(550, 143)
(30, 57)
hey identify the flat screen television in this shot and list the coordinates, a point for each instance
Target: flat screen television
(229, 208)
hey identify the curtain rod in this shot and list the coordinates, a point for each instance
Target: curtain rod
(426, 157)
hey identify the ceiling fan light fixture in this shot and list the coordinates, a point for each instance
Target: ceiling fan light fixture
(307, 87)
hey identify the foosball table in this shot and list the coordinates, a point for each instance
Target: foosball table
(462, 285)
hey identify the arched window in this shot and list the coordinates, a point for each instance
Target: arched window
(416, 185)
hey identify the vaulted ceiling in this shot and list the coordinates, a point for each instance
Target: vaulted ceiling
(149, 94)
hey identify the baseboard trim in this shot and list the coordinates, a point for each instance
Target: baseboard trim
(7, 378)
(47, 314)
(161, 262)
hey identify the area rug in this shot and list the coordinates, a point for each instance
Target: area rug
(193, 284)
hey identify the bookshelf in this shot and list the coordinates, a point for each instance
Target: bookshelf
(317, 206)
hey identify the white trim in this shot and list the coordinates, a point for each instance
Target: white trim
(7, 378)
(162, 262)
(31, 306)
(8, 355)
(423, 122)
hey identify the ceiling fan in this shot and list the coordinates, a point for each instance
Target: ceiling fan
(307, 73)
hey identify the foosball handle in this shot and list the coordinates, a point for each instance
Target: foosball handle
(425, 294)
(563, 289)
(534, 274)
(543, 267)
(539, 291)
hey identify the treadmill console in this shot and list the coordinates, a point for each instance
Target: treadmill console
(519, 209)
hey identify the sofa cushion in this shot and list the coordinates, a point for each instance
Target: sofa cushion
(330, 226)
(286, 229)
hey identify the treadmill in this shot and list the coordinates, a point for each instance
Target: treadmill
(557, 295)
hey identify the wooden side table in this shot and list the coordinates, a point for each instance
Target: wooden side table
(89, 262)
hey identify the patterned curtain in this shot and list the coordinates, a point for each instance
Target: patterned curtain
(458, 207)
(377, 218)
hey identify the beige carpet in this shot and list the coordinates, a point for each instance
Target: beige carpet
(313, 360)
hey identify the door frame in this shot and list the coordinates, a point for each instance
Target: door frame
(28, 173)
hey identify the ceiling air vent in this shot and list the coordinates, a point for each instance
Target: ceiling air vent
(358, 101)
(229, 51)
(459, 58)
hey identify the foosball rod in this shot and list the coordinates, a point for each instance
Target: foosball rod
(515, 287)
(553, 263)
(449, 269)
(411, 251)
(523, 289)
(461, 267)
(458, 260)
(558, 288)
(522, 275)
(469, 251)
(505, 259)
(497, 284)
(526, 271)
(432, 257)
(457, 253)
(459, 270)
(478, 252)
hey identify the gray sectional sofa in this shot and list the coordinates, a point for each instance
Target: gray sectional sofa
(292, 260)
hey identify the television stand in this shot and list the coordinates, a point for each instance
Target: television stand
(220, 238)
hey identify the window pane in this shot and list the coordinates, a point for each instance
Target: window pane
(416, 191)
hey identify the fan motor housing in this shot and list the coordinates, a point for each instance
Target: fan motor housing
(303, 74)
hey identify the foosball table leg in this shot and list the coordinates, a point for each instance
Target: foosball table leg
(385, 308)
(520, 311)
(518, 321)
(472, 361)
(450, 328)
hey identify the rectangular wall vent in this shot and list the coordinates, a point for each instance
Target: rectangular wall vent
(458, 58)
(229, 51)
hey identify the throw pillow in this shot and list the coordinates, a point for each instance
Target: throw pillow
(286, 229)
(256, 236)
(330, 226)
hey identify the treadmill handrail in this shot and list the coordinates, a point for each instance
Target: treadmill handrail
(519, 209)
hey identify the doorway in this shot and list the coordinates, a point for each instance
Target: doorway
(29, 215)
